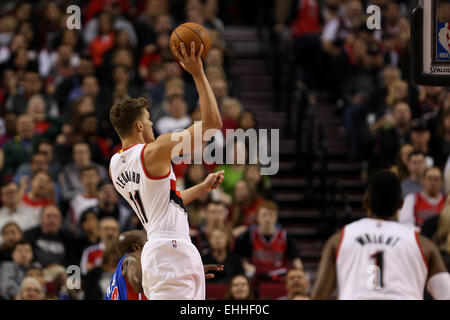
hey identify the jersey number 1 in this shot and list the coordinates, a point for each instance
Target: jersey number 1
(139, 207)
(378, 256)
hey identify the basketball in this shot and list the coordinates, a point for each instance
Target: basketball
(188, 32)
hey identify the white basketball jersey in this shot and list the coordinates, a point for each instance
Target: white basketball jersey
(155, 200)
(380, 260)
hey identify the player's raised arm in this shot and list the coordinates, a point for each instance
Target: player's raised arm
(162, 149)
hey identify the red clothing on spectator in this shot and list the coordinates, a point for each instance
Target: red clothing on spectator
(96, 6)
(269, 255)
(307, 20)
(424, 210)
(36, 203)
(100, 46)
(249, 212)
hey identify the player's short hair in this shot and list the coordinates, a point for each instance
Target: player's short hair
(124, 114)
(385, 194)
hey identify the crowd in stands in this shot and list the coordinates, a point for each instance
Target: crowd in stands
(60, 215)
(390, 122)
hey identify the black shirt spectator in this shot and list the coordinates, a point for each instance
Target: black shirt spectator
(50, 243)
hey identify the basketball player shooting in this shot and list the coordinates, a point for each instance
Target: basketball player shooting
(377, 258)
(142, 173)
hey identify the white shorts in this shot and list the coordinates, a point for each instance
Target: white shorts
(172, 268)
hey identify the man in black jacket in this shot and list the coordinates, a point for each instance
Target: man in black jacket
(51, 244)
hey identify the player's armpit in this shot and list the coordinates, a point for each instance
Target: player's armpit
(326, 276)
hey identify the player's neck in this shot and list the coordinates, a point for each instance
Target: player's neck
(131, 141)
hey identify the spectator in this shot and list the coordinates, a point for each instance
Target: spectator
(231, 109)
(259, 183)
(35, 271)
(392, 131)
(401, 167)
(69, 89)
(245, 204)
(30, 289)
(46, 147)
(92, 255)
(420, 138)
(215, 218)
(266, 248)
(240, 289)
(177, 118)
(417, 167)
(98, 278)
(11, 235)
(51, 244)
(440, 142)
(70, 176)
(109, 205)
(425, 204)
(90, 179)
(13, 272)
(9, 120)
(13, 210)
(234, 171)
(42, 192)
(47, 125)
(38, 162)
(32, 85)
(89, 229)
(115, 10)
(19, 149)
(220, 243)
(297, 284)
(104, 41)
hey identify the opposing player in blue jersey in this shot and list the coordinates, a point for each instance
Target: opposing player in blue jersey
(126, 283)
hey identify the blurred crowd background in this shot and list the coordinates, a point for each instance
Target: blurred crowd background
(58, 205)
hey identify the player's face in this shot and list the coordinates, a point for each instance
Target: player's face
(148, 128)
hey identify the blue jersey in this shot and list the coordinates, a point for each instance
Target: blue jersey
(117, 289)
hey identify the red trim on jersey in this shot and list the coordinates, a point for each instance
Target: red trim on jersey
(122, 150)
(131, 294)
(145, 171)
(420, 248)
(340, 242)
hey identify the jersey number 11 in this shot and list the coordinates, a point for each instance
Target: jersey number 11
(139, 207)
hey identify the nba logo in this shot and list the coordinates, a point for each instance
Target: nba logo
(174, 243)
(123, 159)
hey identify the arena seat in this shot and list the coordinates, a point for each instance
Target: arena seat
(271, 290)
(216, 291)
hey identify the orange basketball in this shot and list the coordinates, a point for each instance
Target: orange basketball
(188, 32)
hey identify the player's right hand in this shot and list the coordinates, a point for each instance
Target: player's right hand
(191, 63)
(212, 267)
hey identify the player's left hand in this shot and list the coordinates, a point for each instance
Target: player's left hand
(212, 267)
(213, 181)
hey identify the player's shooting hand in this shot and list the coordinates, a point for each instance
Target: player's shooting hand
(191, 63)
(213, 181)
(212, 267)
